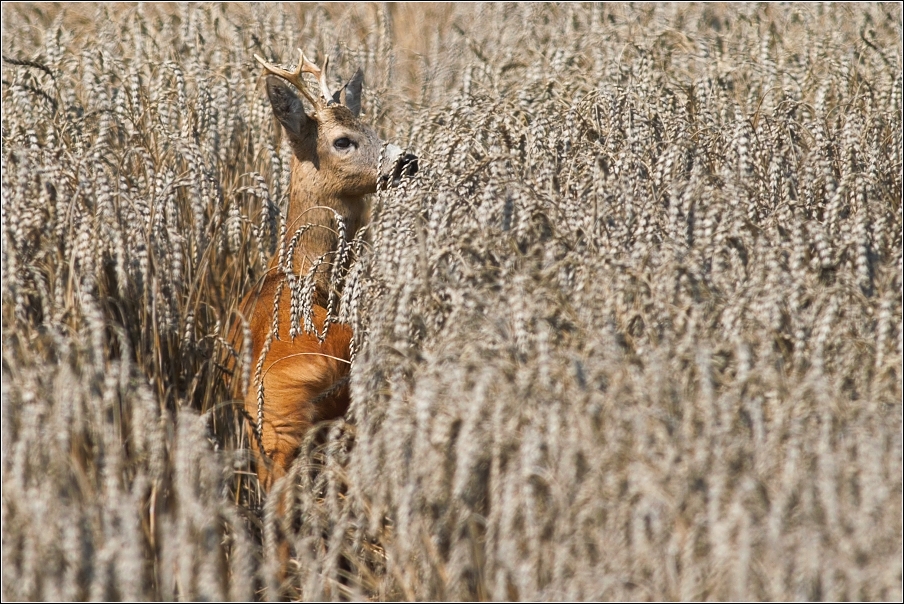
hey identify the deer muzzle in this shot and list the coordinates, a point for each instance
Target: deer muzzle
(397, 164)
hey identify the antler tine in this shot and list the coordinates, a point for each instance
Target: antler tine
(294, 77)
(320, 73)
(324, 87)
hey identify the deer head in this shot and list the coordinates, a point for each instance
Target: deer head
(348, 157)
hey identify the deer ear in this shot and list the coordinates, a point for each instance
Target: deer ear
(351, 93)
(287, 107)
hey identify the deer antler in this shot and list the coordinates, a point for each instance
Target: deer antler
(294, 77)
(320, 74)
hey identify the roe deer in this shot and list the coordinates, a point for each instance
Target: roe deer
(337, 160)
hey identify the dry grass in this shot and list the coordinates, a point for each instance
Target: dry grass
(634, 332)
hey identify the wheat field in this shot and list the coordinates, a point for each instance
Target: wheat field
(633, 332)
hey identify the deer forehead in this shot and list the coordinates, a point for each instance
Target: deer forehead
(340, 118)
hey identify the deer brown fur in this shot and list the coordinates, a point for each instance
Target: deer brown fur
(337, 160)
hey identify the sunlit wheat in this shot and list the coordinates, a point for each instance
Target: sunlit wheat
(633, 332)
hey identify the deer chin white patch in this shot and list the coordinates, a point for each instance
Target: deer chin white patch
(391, 155)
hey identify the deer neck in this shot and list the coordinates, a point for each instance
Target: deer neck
(312, 202)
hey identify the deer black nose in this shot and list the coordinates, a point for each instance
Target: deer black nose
(409, 164)
(405, 166)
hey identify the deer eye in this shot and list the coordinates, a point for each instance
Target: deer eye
(343, 143)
